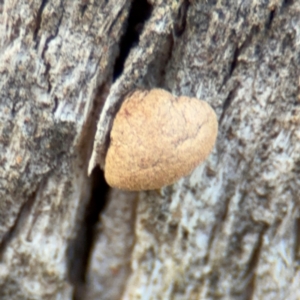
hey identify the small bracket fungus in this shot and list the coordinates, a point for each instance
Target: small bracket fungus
(157, 138)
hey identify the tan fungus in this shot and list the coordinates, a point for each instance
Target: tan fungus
(157, 138)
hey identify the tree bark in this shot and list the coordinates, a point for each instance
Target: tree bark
(230, 230)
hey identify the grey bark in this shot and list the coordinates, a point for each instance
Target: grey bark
(228, 231)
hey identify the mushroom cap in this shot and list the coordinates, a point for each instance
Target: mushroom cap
(156, 138)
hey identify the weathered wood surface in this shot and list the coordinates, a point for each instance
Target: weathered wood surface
(228, 231)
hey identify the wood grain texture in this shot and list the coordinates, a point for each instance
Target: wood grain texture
(228, 231)
(54, 61)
